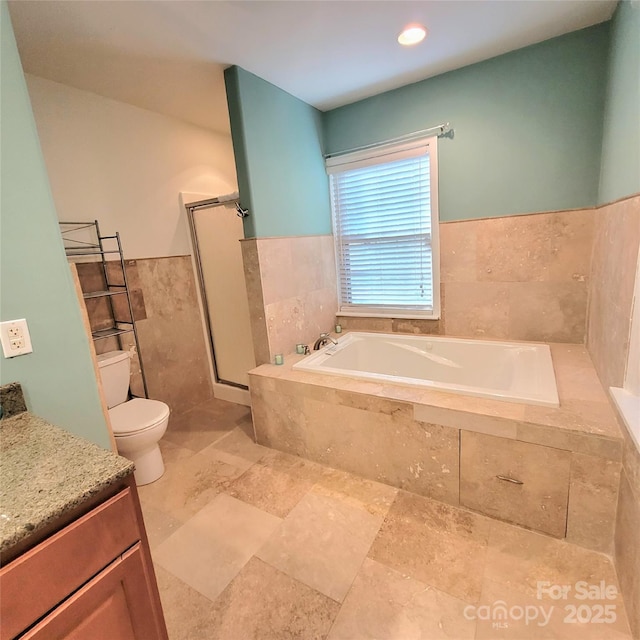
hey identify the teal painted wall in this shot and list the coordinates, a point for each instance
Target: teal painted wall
(528, 126)
(35, 281)
(620, 168)
(277, 142)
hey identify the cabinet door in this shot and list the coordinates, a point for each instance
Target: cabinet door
(115, 605)
(64, 562)
(527, 484)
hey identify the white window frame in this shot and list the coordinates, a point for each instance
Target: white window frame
(370, 156)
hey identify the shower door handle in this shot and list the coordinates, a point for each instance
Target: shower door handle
(508, 479)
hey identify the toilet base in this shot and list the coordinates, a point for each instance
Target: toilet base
(149, 465)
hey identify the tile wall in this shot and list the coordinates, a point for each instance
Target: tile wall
(165, 306)
(517, 277)
(615, 252)
(291, 284)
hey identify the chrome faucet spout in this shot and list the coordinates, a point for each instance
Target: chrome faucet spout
(322, 340)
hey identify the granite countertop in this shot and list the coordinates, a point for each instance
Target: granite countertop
(45, 472)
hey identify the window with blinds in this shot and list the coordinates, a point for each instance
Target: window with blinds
(385, 223)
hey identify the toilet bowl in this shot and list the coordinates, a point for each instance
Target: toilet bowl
(137, 424)
(137, 427)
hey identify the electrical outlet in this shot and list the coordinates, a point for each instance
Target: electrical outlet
(16, 343)
(14, 331)
(15, 338)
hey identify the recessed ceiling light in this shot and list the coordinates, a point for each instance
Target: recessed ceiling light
(412, 34)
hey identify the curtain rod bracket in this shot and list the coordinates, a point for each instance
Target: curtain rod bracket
(447, 132)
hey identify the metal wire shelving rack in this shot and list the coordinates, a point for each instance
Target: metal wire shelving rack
(83, 242)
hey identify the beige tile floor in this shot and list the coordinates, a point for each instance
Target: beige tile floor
(249, 542)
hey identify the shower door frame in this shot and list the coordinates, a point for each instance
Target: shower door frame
(191, 208)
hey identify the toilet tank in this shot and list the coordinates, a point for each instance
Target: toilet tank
(114, 369)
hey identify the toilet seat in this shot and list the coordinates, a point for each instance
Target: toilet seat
(137, 415)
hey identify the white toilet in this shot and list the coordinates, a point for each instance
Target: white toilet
(137, 424)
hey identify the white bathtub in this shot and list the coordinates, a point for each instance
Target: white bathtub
(511, 371)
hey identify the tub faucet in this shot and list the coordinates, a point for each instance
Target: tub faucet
(322, 340)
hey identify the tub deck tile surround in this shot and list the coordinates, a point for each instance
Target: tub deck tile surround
(593, 498)
(355, 433)
(539, 502)
(588, 426)
(410, 437)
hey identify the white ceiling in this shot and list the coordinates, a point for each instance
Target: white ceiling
(168, 56)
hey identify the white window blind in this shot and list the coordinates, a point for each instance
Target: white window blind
(385, 223)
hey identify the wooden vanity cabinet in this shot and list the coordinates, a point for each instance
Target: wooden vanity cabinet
(92, 579)
(114, 604)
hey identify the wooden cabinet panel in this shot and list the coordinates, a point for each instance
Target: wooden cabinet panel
(115, 605)
(41, 578)
(523, 483)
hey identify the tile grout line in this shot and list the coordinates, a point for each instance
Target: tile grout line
(366, 557)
